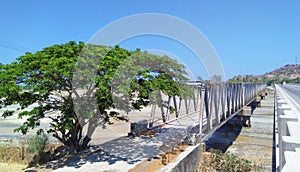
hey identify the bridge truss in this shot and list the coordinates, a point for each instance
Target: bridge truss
(214, 104)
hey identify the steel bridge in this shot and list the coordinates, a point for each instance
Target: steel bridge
(199, 114)
(213, 103)
(173, 120)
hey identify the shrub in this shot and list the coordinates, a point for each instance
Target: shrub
(229, 163)
(38, 143)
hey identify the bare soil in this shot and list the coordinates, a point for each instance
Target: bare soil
(206, 162)
(156, 163)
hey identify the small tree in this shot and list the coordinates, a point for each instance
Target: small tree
(55, 76)
(37, 143)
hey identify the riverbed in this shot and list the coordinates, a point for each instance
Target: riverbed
(253, 143)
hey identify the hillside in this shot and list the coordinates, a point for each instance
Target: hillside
(288, 73)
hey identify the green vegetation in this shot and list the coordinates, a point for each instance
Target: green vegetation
(26, 154)
(230, 163)
(225, 162)
(112, 78)
(286, 74)
(282, 80)
(268, 81)
(37, 144)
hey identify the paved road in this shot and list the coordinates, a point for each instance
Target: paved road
(293, 90)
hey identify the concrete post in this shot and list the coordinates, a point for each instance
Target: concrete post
(288, 144)
(281, 108)
(282, 131)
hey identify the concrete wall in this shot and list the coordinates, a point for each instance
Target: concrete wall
(188, 161)
(288, 133)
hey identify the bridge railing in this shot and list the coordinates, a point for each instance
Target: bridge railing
(286, 131)
(213, 102)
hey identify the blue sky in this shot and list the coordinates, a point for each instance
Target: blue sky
(250, 37)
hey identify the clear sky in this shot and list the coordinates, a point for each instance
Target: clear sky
(250, 36)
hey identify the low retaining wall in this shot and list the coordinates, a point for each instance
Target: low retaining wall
(187, 161)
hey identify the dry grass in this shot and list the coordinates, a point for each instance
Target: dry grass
(15, 154)
(17, 158)
(14, 158)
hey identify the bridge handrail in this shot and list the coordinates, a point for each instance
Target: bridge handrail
(218, 99)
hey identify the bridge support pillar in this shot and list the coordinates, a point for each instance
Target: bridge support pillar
(243, 118)
(263, 95)
(257, 101)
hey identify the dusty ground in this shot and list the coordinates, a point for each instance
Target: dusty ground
(205, 163)
(213, 162)
(155, 164)
(11, 167)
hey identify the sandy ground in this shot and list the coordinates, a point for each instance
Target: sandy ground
(7, 126)
(10, 167)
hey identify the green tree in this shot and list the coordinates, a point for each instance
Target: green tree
(153, 75)
(56, 76)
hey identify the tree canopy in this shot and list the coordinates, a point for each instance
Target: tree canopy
(77, 85)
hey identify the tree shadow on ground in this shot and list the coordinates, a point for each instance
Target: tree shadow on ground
(126, 149)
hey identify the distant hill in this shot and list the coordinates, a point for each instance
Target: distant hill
(289, 73)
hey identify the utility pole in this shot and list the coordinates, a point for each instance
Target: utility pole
(296, 61)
